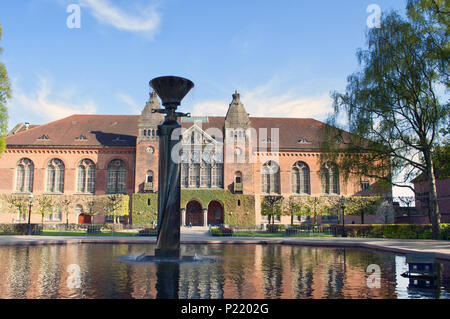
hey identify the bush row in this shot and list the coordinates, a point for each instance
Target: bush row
(20, 229)
(221, 231)
(397, 231)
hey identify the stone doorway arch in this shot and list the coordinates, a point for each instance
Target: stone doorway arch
(216, 214)
(194, 214)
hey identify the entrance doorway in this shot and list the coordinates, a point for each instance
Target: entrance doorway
(215, 213)
(194, 214)
(84, 219)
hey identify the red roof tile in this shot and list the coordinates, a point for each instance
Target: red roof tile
(122, 130)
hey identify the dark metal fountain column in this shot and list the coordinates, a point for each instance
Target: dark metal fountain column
(171, 90)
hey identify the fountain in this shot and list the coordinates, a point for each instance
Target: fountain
(171, 90)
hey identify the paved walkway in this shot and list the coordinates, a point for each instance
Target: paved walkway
(200, 236)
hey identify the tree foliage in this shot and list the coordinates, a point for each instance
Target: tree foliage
(45, 206)
(116, 206)
(5, 95)
(394, 110)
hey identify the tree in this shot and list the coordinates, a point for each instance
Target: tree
(292, 208)
(394, 111)
(271, 207)
(385, 213)
(432, 16)
(45, 206)
(65, 205)
(17, 204)
(441, 159)
(116, 206)
(92, 208)
(5, 95)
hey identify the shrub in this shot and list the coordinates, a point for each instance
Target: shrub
(20, 229)
(221, 231)
(271, 228)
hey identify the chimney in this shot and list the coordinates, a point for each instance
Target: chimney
(27, 126)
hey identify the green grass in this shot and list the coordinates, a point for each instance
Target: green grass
(276, 235)
(83, 233)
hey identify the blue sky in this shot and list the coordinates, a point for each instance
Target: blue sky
(284, 57)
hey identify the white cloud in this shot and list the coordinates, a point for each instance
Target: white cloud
(129, 101)
(146, 22)
(264, 101)
(44, 105)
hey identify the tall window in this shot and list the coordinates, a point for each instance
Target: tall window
(300, 178)
(194, 175)
(55, 176)
(86, 176)
(270, 177)
(185, 175)
(24, 176)
(217, 175)
(116, 177)
(205, 174)
(330, 179)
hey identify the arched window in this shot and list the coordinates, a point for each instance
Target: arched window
(55, 176)
(270, 177)
(86, 176)
(24, 176)
(300, 178)
(330, 179)
(116, 177)
(205, 174)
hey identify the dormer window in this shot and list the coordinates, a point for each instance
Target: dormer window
(303, 141)
(81, 138)
(43, 138)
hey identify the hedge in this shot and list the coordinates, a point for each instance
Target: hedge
(396, 231)
(20, 229)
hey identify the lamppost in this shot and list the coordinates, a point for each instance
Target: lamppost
(30, 203)
(343, 216)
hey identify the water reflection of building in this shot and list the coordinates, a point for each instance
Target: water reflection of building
(241, 272)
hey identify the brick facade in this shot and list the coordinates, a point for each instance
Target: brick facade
(133, 139)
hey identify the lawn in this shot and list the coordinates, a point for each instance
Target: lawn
(266, 234)
(83, 233)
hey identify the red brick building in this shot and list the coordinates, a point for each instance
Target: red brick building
(422, 188)
(227, 163)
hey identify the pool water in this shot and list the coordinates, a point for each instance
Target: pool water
(237, 271)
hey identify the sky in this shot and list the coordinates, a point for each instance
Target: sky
(284, 57)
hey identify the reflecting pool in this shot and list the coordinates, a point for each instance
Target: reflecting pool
(239, 271)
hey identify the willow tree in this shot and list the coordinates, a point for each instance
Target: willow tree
(5, 95)
(393, 109)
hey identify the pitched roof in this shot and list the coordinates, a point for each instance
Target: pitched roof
(122, 130)
(81, 130)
